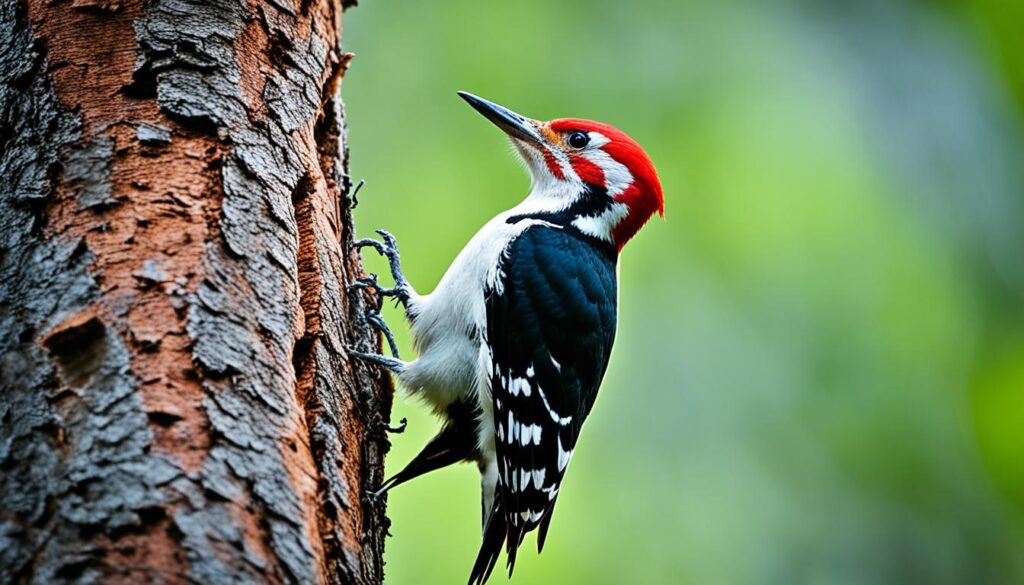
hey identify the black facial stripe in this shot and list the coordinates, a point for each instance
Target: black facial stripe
(592, 202)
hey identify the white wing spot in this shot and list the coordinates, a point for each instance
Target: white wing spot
(562, 420)
(519, 385)
(555, 363)
(525, 435)
(538, 477)
(563, 456)
(525, 386)
(552, 491)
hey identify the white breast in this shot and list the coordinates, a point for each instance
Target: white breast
(448, 320)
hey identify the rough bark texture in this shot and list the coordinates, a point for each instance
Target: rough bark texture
(176, 401)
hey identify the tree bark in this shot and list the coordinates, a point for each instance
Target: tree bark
(177, 404)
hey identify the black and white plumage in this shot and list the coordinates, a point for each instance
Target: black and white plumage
(550, 327)
(515, 340)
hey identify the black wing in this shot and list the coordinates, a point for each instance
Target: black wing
(550, 327)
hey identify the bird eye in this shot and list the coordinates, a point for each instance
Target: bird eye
(578, 139)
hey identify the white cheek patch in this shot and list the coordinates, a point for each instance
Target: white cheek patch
(601, 226)
(617, 179)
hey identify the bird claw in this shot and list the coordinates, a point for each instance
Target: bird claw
(364, 283)
(389, 241)
(392, 364)
(389, 249)
(370, 283)
(377, 321)
(364, 242)
(373, 314)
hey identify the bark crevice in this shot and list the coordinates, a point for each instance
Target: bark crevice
(177, 401)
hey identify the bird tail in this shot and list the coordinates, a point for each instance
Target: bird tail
(455, 442)
(542, 533)
(495, 533)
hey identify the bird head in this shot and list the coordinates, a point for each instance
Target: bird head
(591, 174)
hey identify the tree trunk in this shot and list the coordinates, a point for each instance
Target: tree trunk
(176, 402)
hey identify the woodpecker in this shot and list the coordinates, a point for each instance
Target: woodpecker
(516, 337)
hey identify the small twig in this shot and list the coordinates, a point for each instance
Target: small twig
(397, 429)
(355, 193)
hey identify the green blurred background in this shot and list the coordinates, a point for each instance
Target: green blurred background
(819, 372)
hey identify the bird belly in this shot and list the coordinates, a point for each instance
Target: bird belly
(449, 320)
(445, 371)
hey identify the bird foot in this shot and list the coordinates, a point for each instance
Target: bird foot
(377, 321)
(389, 249)
(394, 365)
(380, 292)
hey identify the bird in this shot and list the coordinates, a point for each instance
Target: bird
(514, 341)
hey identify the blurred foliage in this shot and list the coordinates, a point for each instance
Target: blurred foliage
(819, 373)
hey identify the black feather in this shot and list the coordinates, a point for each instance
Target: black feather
(550, 326)
(455, 442)
(542, 532)
(494, 536)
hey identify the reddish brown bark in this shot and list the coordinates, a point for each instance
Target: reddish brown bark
(177, 405)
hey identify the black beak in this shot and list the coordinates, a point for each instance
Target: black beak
(510, 122)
